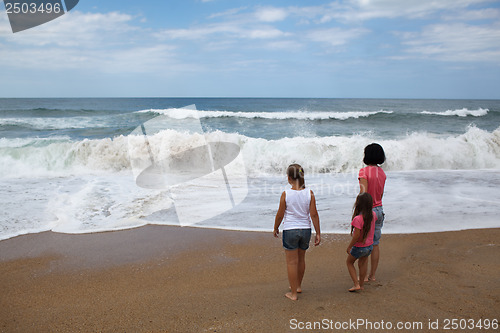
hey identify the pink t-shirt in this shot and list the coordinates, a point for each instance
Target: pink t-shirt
(376, 182)
(358, 223)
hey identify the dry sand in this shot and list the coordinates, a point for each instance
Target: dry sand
(172, 279)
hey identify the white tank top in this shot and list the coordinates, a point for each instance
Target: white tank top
(297, 209)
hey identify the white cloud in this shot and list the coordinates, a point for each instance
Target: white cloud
(116, 42)
(473, 15)
(244, 23)
(229, 12)
(271, 14)
(223, 30)
(266, 33)
(456, 42)
(102, 42)
(199, 32)
(76, 29)
(336, 36)
(132, 60)
(370, 9)
(363, 10)
(289, 45)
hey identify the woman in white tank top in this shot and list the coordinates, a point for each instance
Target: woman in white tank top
(296, 210)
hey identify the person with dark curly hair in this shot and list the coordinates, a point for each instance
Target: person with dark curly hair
(372, 180)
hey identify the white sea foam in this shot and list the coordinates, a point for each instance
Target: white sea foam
(460, 113)
(301, 115)
(436, 182)
(52, 123)
(23, 142)
(414, 202)
(475, 149)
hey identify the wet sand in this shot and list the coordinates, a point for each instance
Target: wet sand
(172, 279)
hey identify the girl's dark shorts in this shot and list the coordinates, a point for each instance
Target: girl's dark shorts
(360, 252)
(296, 239)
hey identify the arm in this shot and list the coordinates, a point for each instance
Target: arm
(315, 219)
(354, 240)
(363, 185)
(279, 215)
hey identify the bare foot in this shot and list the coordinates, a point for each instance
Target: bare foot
(290, 296)
(355, 288)
(299, 289)
(369, 279)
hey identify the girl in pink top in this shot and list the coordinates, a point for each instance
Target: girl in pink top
(372, 180)
(361, 245)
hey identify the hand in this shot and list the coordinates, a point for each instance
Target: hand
(349, 250)
(318, 240)
(276, 232)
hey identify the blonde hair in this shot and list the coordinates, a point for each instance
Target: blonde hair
(296, 172)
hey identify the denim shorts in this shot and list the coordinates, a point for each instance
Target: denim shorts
(359, 252)
(378, 224)
(296, 238)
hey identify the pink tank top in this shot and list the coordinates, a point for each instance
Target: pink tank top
(376, 182)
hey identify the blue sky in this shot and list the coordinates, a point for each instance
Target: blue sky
(232, 48)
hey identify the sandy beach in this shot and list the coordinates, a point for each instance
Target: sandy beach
(172, 279)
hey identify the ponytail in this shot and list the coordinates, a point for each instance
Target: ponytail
(296, 172)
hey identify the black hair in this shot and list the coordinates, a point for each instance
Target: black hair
(374, 154)
(296, 172)
(364, 206)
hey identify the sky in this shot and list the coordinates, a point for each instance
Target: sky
(233, 48)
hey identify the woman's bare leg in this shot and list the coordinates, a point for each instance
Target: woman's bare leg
(374, 262)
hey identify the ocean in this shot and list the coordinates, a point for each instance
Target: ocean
(83, 165)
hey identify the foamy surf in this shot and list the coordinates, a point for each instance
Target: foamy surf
(475, 149)
(460, 113)
(84, 204)
(300, 115)
(66, 164)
